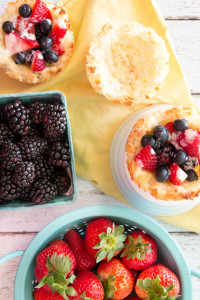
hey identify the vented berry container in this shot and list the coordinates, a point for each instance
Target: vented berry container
(142, 200)
(46, 97)
(169, 252)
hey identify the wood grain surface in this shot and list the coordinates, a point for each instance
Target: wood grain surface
(17, 228)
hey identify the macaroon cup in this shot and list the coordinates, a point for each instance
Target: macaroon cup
(141, 199)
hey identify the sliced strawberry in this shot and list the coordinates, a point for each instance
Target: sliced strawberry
(177, 175)
(58, 49)
(15, 43)
(146, 159)
(59, 30)
(170, 127)
(40, 12)
(188, 140)
(38, 63)
(23, 24)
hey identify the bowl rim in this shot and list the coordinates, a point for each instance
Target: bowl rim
(97, 211)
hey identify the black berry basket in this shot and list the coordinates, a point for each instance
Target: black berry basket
(41, 187)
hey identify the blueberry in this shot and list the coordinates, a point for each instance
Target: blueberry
(50, 57)
(46, 26)
(180, 125)
(25, 11)
(162, 174)
(8, 27)
(161, 133)
(46, 43)
(148, 139)
(179, 157)
(20, 58)
(192, 175)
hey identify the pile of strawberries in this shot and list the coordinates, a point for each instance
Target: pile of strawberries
(106, 264)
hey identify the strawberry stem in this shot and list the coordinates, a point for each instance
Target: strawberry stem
(137, 249)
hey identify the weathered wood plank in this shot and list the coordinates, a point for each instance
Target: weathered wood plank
(180, 9)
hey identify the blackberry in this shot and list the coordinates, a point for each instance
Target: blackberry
(42, 169)
(17, 116)
(35, 131)
(31, 147)
(190, 163)
(10, 155)
(38, 32)
(63, 182)
(5, 133)
(43, 191)
(164, 154)
(24, 174)
(36, 112)
(24, 195)
(59, 155)
(8, 190)
(54, 121)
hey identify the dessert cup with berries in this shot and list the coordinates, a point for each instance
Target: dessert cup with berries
(36, 40)
(157, 154)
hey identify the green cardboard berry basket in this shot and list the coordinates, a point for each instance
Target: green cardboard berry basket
(46, 97)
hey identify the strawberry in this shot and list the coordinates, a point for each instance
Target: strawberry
(188, 140)
(55, 242)
(133, 298)
(58, 31)
(87, 284)
(42, 294)
(140, 251)
(84, 260)
(58, 49)
(170, 127)
(40, 12)
(53, 266)
(157, 282)
(146, 159)
(38, 63)
(176, 174)
(117, 280)
(103, 239)
(23, 24)
(16, 43)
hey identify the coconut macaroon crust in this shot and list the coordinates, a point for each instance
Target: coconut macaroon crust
(127, 63)
(146, 179)
(23, 72)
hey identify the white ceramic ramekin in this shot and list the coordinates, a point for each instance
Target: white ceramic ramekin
(139, 198)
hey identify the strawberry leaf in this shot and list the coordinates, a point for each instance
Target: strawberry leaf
(109, 287)
(136, 249)
(84, 297)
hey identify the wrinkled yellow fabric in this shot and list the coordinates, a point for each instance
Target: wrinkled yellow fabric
(94, 119)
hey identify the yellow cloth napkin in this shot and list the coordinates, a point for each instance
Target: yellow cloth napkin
(94, 119)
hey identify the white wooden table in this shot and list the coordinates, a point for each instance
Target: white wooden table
(17, 228)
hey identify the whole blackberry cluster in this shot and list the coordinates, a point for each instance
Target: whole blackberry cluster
(165, 154)
(33, 155)
(38, 32)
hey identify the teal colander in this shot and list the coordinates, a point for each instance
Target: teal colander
(169, 252)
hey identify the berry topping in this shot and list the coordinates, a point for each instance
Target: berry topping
(20, 58)
(162, 174)
(170, 127)
(59, 30)
(58, 49)
(25, 11)
(188, 140)
(190, 163)
(29, 56)
(161, 133)
(38, 32)
(43, 191)
(146, 159)
(16, 43)
(192, 175)
(179, 157)
(164, 154)
(46, 26)
(148, 139)
(17, 116)
(10, 155)
(50, 57)
(24, 174)
(59, 155)
(25, 27)
(8, 27)
(40, 12)
(32, 147)
(46, 43)
(180, 125)
(38, 63)
(176, 175)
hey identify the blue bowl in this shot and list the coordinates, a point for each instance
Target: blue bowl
(45, 97)
(169, 252)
